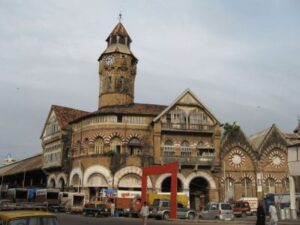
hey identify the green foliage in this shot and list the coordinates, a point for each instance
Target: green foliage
(231, 129)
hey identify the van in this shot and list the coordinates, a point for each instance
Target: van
(220, 210)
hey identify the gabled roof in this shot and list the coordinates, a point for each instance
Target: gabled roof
(28, 164)
(131, 109)
(64, 116)
(119, 30)
(257, 140)
(197, 101)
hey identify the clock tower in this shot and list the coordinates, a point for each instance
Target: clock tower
(117, 70)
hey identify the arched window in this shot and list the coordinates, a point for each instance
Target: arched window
(116, 144)
(134, 147)
(168, 149)
(122, 82)
(270, 185)
(229, 189)
(196, 117)
(85, 145)
(99, 146)
(247, 187)
(285, 185)
(109, 83)
(185, 149)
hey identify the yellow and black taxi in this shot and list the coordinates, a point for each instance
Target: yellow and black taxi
(27, 217)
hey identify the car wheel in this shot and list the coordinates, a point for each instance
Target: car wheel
(84, 213)
(165, 216)
(244, 214)
(191, 216)
(96, 214)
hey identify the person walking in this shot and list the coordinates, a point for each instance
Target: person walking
(273, 214)
(144, 213)
(260, 214)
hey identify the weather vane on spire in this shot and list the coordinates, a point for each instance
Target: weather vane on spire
(120, 17)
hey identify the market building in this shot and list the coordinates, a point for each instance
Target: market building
(108, 148)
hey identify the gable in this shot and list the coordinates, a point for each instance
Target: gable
(188, 106)
(51, 125)
(274, 138)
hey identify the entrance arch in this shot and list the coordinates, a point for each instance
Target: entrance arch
(200, 185)
(166, 185)
(199, 193)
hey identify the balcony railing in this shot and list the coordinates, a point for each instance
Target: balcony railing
(204, 160)
(191, 127)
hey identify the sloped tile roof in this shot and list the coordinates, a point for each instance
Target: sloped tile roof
(257, 138)
(65, 115)
(131, 109)
(29, 164)
(119, 30)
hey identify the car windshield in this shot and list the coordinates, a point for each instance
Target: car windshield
(155, 202)
(34, 221)
(226, 207)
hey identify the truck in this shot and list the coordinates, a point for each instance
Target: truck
(75, 202)
(17, 195)
(128, 203)
(253, 203)
(51, 198)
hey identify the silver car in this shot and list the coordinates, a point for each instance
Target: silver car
(221, 210)
(161, 209)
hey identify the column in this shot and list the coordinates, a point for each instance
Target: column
(292, 198)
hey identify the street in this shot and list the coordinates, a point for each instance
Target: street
(67, 219)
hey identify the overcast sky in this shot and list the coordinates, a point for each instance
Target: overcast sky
(241, 58)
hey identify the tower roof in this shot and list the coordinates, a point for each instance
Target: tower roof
(119, 30)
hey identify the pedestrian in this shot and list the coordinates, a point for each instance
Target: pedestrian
(144, 213)
(273, 214)
(260, 214)
(112, 208)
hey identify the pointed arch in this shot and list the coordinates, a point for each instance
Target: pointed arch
(62, 176)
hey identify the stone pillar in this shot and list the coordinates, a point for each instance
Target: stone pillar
(292, 198)
(214, 195)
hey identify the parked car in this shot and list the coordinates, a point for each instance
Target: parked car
(27, 217)
(96, 209)
(241, 209)
(161, 210)
(221, 210)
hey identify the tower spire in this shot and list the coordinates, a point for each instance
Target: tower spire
(120, 17)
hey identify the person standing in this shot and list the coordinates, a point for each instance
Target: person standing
(260, 214)
(144, 213)
(112, 208)
(273, 214)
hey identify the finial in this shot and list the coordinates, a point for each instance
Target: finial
(120, 17)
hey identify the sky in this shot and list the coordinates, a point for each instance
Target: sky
(240, 58)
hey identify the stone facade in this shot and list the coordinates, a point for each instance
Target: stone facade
(108, 148)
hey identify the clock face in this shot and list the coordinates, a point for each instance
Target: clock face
(109, 60)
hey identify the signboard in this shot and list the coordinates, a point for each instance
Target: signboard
(128, 194)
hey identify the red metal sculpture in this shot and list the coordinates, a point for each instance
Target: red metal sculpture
(154, 170)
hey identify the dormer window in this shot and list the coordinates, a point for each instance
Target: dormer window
(122, 81)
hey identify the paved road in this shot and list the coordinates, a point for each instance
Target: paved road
(67, 219)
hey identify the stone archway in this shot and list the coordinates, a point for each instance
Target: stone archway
(162, 177)
(130, 172)
(76, 177)
(51, 183)
(202, 189)
(95, 179)
(61, 181)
